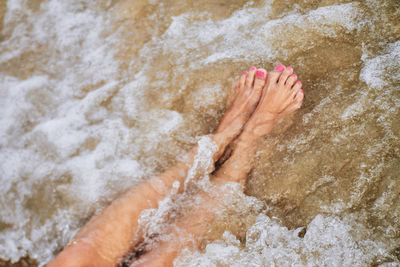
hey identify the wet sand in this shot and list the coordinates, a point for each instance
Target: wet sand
(24, 262)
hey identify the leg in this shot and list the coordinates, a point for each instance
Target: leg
(281, 97)
(107, 237)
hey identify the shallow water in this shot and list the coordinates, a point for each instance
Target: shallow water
(98, 95)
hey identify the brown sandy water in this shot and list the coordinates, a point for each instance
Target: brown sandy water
(98, 95)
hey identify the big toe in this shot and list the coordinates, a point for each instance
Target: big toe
(274, 75)
(261, 75)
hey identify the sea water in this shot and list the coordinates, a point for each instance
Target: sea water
(96, 96)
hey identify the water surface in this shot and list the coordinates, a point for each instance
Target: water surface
(95, 96)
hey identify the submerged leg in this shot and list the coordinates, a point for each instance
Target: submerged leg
(107, 237)
(281, 96)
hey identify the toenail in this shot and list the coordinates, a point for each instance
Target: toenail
(280, 68)
(293, 75)
(301, 91)
(253, 68)
(289, 68)
(245, 73)
(260, 73)
(299, 83)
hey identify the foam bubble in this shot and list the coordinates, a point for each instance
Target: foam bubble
(377, 69)
(327, 241)
(81, 121)
(45, 132)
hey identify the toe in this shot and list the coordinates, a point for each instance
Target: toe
(299, 96)
(285, 75)
(298, 99)
(280, 68)
(259, 81)
(296, 87)
(242, 79)
(250, 77)
(291, 80)
(233, 93)
(273, 76)
(296, 102)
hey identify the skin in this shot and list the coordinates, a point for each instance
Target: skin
(281, 97)
(258, 102)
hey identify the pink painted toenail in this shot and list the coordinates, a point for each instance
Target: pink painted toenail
(293, 75)
(299, 83)
(252, 68)
(245, 73)
(280, 68)
(260, 73)
(289, 68)
(301, 91)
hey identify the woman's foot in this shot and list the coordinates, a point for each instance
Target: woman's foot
(281, 96)
(243, 100)
(246, 94)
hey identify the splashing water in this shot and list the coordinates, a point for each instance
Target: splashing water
(96, 96)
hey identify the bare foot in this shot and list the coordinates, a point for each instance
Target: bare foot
(246, 95)
(282, 96)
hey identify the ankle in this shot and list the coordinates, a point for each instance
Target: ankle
(256, 129)
(222, 140)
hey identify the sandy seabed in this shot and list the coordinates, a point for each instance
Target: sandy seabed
(96, 96)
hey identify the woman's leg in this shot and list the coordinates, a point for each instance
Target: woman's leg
(107, 237)
(281, 96)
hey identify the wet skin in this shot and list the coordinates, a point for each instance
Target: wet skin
(259, 100)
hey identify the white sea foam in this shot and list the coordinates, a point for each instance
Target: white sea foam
(377, 69)
(329, 241)
(43, 125)
(231, 38)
